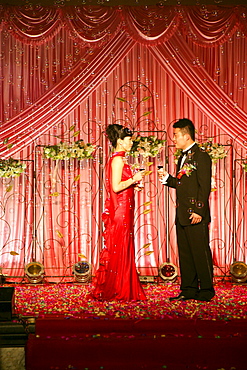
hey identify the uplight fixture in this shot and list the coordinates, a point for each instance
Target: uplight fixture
(168, 271)
(82, 271)
(34, 272)
(238, 272)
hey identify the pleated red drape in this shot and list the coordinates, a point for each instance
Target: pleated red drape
(65, 67)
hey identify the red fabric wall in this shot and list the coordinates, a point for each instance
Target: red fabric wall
(86, 67)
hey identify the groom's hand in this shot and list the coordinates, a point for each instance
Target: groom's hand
(162, 173)
(195, 218)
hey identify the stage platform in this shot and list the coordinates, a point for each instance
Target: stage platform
(72, 331)
(73, 300)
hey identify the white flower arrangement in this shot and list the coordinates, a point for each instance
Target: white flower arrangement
(11, 167)
(215, 151)
(146, 146)
(65, 151)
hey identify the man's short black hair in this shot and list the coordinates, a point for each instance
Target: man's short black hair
(186, 126)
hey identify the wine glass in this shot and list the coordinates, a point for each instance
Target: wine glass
(141, 184)
(160, 170)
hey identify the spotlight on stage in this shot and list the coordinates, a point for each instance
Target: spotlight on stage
(82, 271)
(168, 271)
(238, 272)
(34, 272)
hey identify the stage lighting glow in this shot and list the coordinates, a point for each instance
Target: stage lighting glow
(82, 271)
(168, 271)
(238, 272)
(34, 272)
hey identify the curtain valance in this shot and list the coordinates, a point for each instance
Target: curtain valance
(150, 24)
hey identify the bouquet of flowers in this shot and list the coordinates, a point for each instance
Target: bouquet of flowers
(146, 146)
(187, 169)
(11, 167)
(65, 151)
(215, 151)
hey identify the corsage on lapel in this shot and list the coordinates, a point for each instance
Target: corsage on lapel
(187, 169)
(189, 166)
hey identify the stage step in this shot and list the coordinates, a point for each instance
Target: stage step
(136, 345)
(15, 333)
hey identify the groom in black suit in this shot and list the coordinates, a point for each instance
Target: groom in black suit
(193, 186)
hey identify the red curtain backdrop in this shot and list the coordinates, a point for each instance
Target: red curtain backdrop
(77, 69)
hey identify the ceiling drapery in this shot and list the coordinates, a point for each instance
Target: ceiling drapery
(111, 27)
(65, 96)
(196, 82)
(206, 25)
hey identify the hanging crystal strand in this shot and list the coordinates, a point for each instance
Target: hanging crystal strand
(213, 178)
(54, 175)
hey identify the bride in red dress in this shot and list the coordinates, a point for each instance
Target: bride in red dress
(117, 278)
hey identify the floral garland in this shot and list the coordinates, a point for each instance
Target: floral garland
(65, 151)
(11, 167)
(146, 146)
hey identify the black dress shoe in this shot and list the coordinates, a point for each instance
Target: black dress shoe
(204, 298)
(205, 295)
(180, 297)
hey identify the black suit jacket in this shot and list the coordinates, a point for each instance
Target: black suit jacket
(193, 191)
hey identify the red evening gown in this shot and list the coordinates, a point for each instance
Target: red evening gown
(117, 278)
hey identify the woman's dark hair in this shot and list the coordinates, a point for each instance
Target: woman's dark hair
(186, 126)
(115, 132)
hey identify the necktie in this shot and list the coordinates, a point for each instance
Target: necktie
(183, 157)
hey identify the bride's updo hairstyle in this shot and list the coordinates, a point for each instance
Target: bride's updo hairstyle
(115, 132)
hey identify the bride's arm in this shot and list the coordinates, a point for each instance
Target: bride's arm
(117, 169)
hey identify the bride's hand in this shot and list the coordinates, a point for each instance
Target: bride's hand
(138, 176)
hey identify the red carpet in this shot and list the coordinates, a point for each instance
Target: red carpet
(137, 344)
(76, 332)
